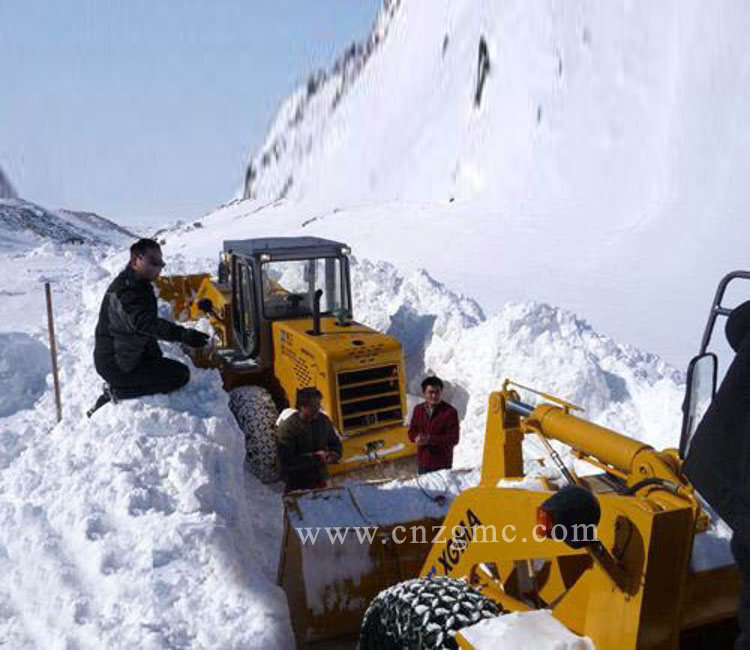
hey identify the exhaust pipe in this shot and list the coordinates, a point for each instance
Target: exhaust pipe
(316, 312)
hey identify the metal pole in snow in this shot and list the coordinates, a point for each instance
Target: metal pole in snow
(53, 349)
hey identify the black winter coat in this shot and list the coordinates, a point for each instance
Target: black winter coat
(296, 441)
(129, 325)
(718, 463)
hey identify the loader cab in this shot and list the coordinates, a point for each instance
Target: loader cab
(277, 279)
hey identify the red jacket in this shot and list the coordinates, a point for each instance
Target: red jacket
(442, 431)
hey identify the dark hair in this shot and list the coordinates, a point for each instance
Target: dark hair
(307, 395)
(142, 246)
(432, 381)
(738, 325)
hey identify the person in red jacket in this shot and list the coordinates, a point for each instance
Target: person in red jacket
(434, 428)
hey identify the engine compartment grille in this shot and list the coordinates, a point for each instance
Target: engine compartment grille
(369, 398)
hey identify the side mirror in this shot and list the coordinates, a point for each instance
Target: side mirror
(571, 515)
(700, 390)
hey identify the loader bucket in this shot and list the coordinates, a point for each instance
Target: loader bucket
(341, 546)
(184, 294)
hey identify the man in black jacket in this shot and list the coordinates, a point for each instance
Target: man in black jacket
(718, 463)
(127, 354)
(307, 442)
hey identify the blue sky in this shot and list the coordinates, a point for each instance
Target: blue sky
(147, 110)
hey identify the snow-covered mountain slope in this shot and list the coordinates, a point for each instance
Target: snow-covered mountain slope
(603, 169)
(308, 113)
(23, 223)
(619, 107)
(6, 189)
(592, 198)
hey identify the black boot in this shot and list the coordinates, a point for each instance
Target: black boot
(106, 397)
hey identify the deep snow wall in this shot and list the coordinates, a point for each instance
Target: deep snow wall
(137, 527)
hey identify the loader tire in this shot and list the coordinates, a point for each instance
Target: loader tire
(423, 613)
(256, 413)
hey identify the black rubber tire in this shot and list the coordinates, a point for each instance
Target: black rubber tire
(256, 413)
(423, 613)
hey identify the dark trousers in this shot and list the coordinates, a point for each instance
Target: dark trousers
(151, 375)
(741, 552)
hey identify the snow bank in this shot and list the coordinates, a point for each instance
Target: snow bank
(24, 364)
(535, 630)
(537, 345)
(137, 528)
(26, 224)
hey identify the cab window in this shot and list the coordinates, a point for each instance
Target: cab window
(289, 287)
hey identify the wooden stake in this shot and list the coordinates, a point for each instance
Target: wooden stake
(53, 349)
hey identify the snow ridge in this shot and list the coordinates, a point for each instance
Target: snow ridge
(25, 223)
(307, 112)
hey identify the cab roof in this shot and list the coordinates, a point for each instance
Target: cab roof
(283, 246)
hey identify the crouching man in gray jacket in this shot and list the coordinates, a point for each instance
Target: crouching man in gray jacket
(127, 354)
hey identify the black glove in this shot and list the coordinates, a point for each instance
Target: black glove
(194, 338)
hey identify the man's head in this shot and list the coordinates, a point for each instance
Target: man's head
(432, 390)
(146, 258)
(738, 325)
(308, 403)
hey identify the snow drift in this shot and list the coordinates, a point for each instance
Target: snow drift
(133, 528)
(24, 365)
(25, 223)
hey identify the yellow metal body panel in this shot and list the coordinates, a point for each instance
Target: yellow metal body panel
(180, 291)
(221, 318)
(502, 442)
(711, 596)
(652, 546)
(349, 353)
(641, 593)
(183, 293)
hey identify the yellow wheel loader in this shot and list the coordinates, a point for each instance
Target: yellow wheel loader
(621, 556)
(282, 311)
